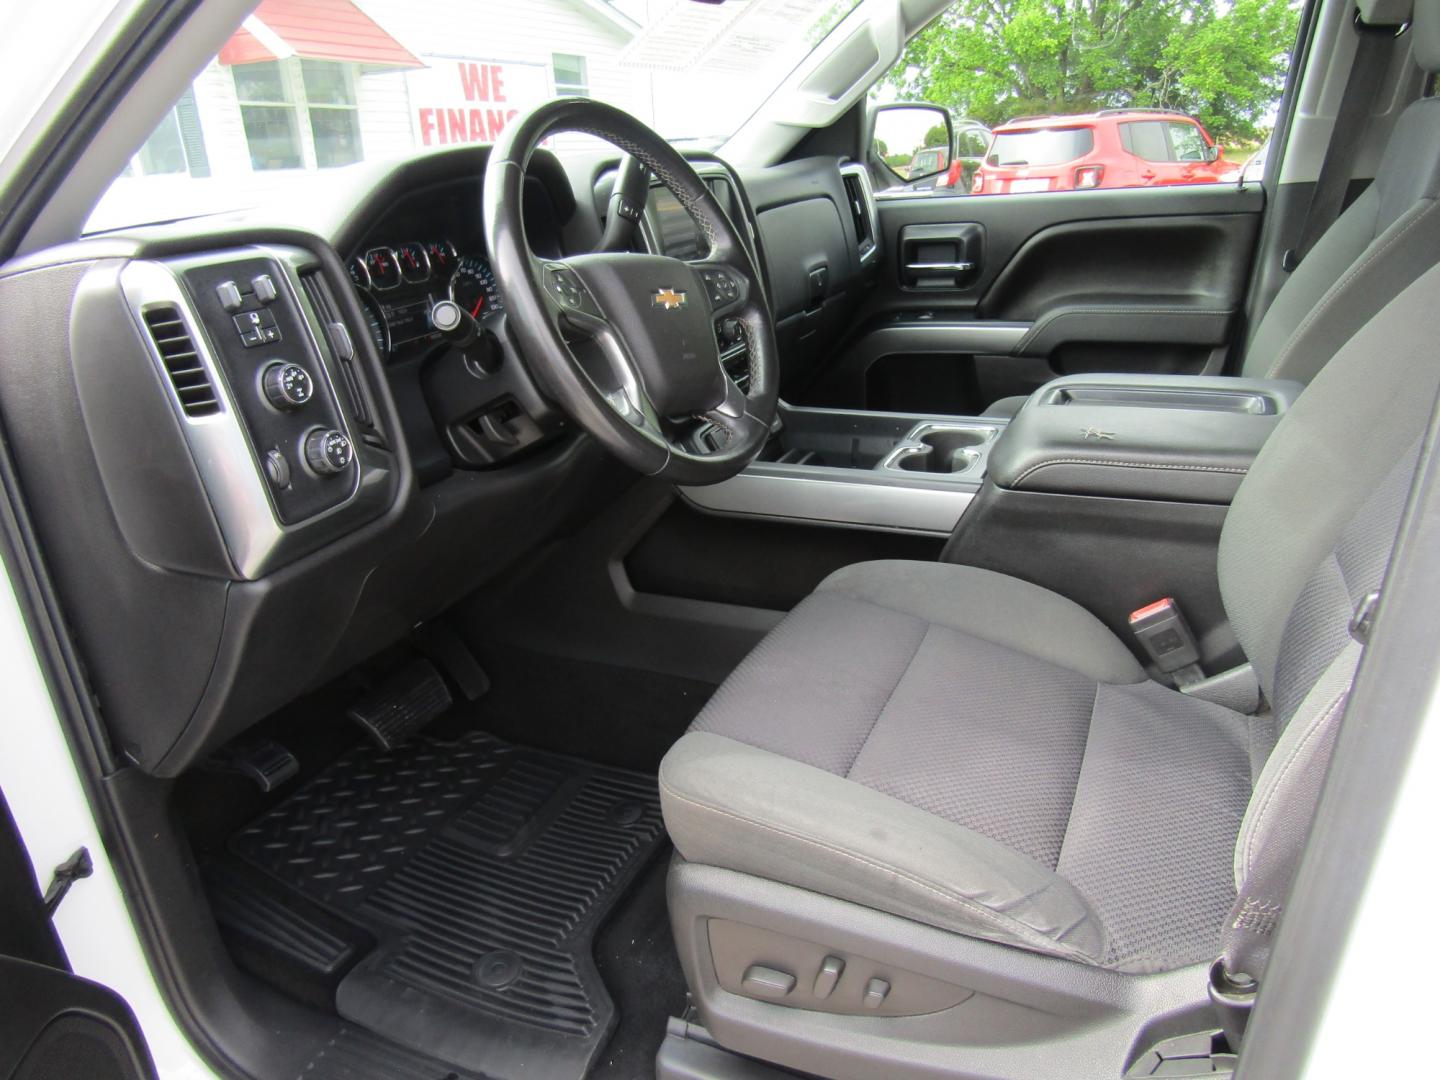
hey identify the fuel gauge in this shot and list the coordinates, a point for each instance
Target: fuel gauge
(359, 273)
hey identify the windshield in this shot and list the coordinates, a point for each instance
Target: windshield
(306, 88)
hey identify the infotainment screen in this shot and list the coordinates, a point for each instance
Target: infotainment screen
(674, 227)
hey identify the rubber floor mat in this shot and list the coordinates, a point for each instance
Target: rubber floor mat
(483, 872)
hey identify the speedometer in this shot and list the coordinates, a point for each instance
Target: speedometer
(475, 289)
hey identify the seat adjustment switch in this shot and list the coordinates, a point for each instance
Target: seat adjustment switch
(830, 972)
(767, 982)
(876, 991)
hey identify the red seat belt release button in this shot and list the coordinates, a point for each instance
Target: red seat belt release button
(1163, 633)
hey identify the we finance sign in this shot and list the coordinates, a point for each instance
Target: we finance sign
(455, 100)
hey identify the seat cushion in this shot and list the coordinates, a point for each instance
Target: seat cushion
(969, 750)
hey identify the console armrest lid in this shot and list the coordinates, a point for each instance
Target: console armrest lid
(1163, 437)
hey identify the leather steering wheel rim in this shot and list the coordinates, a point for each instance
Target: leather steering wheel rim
(616, 339)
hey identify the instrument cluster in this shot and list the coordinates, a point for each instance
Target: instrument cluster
(399, 285)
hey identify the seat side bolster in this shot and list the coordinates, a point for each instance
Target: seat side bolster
(732, 805)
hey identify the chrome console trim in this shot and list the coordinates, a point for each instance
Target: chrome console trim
(854, 498)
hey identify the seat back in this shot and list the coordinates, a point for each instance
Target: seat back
(1385, 240)
(1305, 547)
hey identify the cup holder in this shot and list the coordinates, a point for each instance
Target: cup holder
(946, 451)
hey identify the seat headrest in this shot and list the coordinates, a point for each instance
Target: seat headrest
(1386, 12)
(1425, 29)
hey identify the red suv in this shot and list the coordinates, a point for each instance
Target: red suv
(1115, 148)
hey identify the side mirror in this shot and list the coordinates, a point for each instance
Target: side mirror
(914, 140)
(1215, 151)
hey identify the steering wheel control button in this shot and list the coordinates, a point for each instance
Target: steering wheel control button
(767, 982)
(829, 976)
(264, 286)
(627, 209)
(328, 452)
(228, 294)
(721, 287)
(565, 289)
(277, 469)
(287, 386)
(257, 328)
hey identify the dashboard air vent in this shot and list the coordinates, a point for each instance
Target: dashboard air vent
(182, 361)
(858, 198)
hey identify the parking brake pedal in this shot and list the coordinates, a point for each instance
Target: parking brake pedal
(264, 761)
(405, 703)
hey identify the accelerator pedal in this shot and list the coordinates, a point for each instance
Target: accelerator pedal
(404, 704)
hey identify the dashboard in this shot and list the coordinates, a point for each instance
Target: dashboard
(275, 466)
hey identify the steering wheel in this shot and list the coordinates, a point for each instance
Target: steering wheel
(625, 342)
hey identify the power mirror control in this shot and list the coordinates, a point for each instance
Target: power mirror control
(287, 386)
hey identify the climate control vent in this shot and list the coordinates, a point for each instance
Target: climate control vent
(182, 361)
(862, 209)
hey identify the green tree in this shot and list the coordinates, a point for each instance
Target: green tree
(1221, 61)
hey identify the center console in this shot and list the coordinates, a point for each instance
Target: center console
(893, 471)
(1109, 489)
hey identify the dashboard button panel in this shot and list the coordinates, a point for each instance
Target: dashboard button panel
(282, 391)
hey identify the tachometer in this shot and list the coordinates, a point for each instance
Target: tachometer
(414, 262)
(375, 324)
(384, 268)
(475, 289)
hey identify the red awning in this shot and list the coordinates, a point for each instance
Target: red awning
(318, 30)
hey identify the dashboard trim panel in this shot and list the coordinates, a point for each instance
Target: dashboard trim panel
(221, 447)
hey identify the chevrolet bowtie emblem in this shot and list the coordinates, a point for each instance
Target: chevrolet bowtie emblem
(669, 299)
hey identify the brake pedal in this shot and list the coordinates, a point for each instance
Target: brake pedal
(445, 647)
(263, 761)
(404, 704)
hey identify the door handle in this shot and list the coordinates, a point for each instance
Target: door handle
(940, 267)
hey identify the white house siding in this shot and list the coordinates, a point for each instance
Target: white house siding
(439, 32)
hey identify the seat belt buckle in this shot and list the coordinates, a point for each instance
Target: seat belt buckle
(1163, 633)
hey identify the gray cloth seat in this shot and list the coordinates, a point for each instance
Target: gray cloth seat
(974, 753)
(985, 718)
(1382, 242)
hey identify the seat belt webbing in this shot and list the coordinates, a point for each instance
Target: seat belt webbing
(1372, 56)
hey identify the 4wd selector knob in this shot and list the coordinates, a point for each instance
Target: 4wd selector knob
(286, 386)
(328, 452)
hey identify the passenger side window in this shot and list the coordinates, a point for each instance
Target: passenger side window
(1186, 143)
(1145, 139)
(1085, 96)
